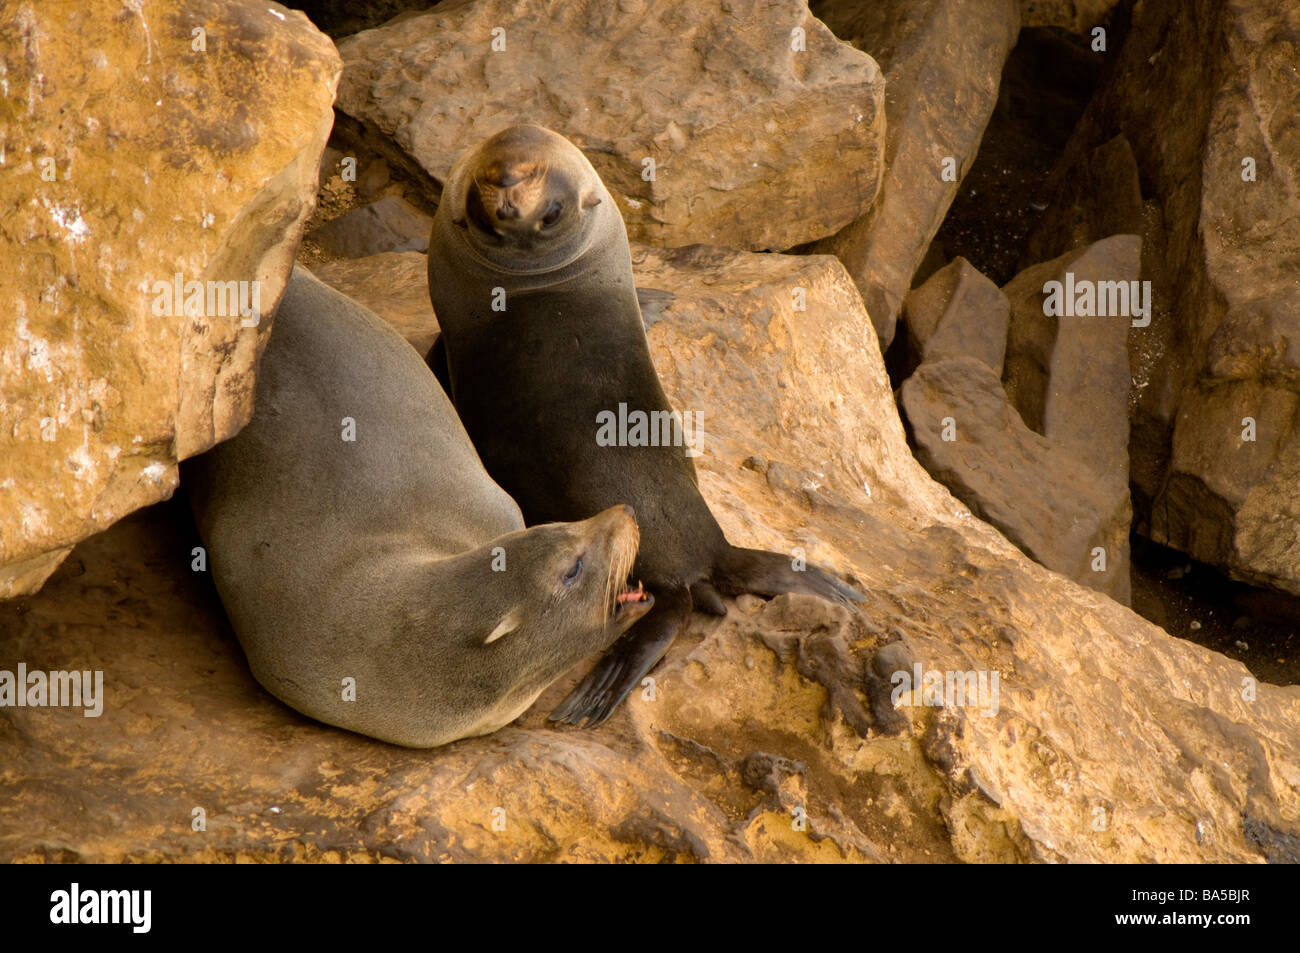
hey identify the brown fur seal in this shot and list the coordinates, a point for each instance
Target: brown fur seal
(374, 559)
(531, 279)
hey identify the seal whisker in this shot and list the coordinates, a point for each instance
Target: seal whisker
(610, 582)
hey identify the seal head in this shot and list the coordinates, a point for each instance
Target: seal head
(524, 200)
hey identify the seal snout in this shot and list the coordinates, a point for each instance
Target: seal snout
(510, 189)
(624, 603)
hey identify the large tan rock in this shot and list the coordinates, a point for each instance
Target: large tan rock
(394, 286)
(943, 61)
(389, 225)
(1201, 91)
(958, 312)
(755, 144)
(130, 158)
(1110, 740)
(1051, 503)
(1067, 372)
(1043, 454)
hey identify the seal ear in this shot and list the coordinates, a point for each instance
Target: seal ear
(509, 622)
(460, 222)
(591, 200)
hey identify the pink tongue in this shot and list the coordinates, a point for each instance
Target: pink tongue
(632, 595)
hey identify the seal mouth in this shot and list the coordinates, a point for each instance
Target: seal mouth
(627, 596)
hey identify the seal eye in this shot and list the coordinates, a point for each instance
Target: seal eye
(572, 575)
(552, 214)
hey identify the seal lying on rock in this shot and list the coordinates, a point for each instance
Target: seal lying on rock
(384, 583)
(531, 278)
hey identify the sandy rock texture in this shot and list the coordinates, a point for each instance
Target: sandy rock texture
(394, 286)
(1068, 374)
(131, 157)
(958, 312)
(943, 61)
(1020, 405)
(764, 130)
(1052, 504)
(1075, 218)
(388, 225)
(770, 735)
(1204, 93)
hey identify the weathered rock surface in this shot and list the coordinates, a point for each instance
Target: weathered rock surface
(958, 313)
(1068, 374)
(1046, 500)
(942, 61)
(394, 285)
(132, 158)
(1111, 741)
(1203, 92)
(1065, 375)
(755, 144)
(389, 225)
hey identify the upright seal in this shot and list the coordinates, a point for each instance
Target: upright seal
(384, 583)
(531, 278)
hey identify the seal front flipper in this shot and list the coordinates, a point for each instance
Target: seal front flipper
(770, 574)
(621, 668)
(707, 599)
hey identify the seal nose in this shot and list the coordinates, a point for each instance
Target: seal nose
(618, 515)
(507, 211)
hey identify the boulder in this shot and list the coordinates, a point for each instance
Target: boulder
(135, 162)
(942, 61)
(1046, 500)
(1068, 374)
(771, 734)
(958, 313)
(1198, 90)
(394, 285)
(390, 225)
(749, 126)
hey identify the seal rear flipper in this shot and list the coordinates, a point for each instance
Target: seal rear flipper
(770, 574)
(627, 662)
